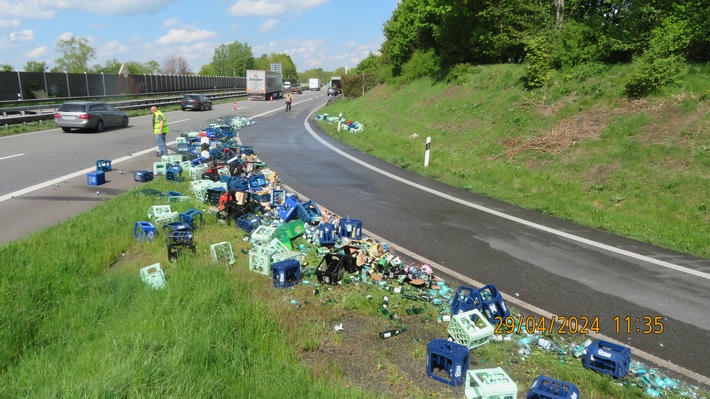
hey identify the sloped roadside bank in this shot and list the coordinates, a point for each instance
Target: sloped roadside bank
(577, 151)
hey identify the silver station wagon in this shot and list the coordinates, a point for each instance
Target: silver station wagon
(89, 116)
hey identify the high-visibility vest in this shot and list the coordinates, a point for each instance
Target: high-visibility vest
(156, 123)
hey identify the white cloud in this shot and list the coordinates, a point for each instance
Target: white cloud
(25, 34)
(36, 53)
(28, 9)
(9, 23)
(265, 8)
(65, 36)
(178, 36)
(171, 22)
(111, 49)
(268, 25)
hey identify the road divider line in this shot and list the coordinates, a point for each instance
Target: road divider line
(12, 156)
(511, 218)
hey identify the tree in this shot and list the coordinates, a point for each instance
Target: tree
(35, 66)
(232, 59)
(76, 54)
(5, 68)
(110, 66)
(175, 65)
(288, 68)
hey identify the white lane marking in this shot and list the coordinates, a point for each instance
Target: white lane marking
(12, 156)
(524, 222)
(79, 173)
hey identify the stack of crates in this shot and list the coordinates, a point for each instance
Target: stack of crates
(470, 329)
(490, 384)
(608, 358)
(261, 256)
(450, 359)
(177, 242)
(544, 387)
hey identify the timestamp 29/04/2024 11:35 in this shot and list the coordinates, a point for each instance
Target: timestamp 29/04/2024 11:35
(576, 325)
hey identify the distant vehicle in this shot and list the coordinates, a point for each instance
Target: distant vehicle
(332, 91)
(335, 82)
(264, 84)
(296, 90)
(195, 102)
(314, 84)
(86, 115)
(287, 85)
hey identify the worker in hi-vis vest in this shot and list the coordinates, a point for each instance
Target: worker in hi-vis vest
(160, 129)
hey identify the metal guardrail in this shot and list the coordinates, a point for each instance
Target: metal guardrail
(35, 113)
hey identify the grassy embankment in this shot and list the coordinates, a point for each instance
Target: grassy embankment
(78, 322)
(577, 150)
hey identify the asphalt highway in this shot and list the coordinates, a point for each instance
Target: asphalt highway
(545, 266)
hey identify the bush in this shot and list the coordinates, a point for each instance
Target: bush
(422, 64)
(461, 74)
(537, 60)
(663, 62)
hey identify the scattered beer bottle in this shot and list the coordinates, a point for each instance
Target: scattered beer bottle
(391, 333)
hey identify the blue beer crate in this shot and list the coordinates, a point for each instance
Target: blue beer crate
(143, 176)
(177, 226)
(449, 357)
(173, 173)
(608, 358)
(238, 184)
(256, 181)
(544, 387)
(248, 222)
(95, 178)
(350, 228)
(286, 273)
(192, 217)
(144, 231)
(246, 149)
(287, 211)
(326, 234)
(103, 165)
(277, 196)
(465, 299)
(492, 303)
(308, 212)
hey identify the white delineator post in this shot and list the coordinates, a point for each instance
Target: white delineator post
(426, 152)
(340, 119)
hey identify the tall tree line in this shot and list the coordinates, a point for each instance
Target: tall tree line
(574, 31)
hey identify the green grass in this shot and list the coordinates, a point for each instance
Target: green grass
(576, 149)
(78, 322)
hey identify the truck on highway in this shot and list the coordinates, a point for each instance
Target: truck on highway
(264, 85)
(336, 84)
(314, 84)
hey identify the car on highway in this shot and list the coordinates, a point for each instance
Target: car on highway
(296, 90)
(287, 86)
(332, 91)
(194, 102)
(86, 115)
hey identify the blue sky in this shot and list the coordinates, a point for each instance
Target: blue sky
(315, 33)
